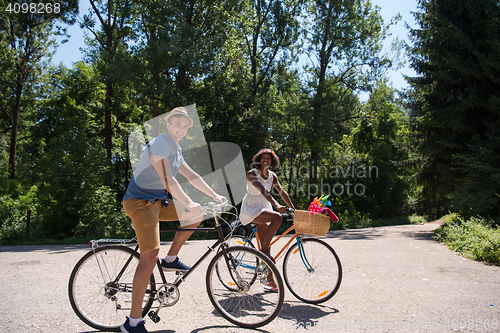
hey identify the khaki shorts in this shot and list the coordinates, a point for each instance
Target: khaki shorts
(145, 217)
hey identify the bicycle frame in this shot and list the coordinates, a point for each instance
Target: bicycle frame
(181, 275)
(296, 236)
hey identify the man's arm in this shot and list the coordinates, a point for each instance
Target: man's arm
(162, 166)
(197, 181)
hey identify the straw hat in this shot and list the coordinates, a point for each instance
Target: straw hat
(179, 111)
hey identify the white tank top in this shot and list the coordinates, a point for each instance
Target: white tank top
(267, 183)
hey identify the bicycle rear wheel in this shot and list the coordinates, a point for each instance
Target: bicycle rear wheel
(246, 304)
(239, 240)
(312, 270)
(100, 287)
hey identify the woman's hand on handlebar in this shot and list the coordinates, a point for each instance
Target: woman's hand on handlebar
(281, 209)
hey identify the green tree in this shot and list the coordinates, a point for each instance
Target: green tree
(69, 157)
(177, 43)
(109, 50)
(344, 44)
(271, 31)
(455, 102)
(26, 39)
(382, 140)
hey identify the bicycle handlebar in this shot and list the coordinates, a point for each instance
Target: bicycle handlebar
(213, 208)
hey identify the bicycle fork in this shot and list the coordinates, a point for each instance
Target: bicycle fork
(302, 253)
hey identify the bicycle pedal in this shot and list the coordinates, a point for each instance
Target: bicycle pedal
(154, 317)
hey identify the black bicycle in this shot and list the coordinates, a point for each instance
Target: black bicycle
(100, 286)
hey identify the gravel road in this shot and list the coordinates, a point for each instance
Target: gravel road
(395, 279)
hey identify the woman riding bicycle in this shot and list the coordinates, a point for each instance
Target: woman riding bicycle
(258, 203)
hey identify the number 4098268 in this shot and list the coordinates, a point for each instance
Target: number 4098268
(33, 8)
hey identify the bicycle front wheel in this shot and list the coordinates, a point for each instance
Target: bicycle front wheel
(312, 270)
(247, 304)
(100, 287)
(223, 274)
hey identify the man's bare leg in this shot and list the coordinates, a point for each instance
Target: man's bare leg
(147, 262)
(182, 236)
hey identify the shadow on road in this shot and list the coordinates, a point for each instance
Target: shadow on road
(355, 234)
(427, 235)
(47, 248)
(218, 327)
(305, 312)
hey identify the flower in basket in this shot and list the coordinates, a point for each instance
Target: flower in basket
(319, 206)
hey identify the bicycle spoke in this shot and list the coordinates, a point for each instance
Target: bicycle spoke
(312, 271)
(95, 297)
(246, 303)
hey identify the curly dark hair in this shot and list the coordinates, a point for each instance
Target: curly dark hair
(275, 159)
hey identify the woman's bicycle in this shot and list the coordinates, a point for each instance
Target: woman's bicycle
(311, 268)
(100, 285)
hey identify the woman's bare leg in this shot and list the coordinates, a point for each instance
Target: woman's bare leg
(266, 233)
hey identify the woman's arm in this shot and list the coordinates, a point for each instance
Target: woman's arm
(281, 191)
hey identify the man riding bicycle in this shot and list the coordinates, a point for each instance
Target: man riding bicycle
(146, 203)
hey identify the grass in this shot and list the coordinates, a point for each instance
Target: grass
(476, 238)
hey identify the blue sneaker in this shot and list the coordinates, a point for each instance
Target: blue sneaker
(126, 328)
(175, 265)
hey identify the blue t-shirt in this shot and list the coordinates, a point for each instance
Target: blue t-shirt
(146, 183)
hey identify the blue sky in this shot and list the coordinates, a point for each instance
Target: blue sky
(69, 52)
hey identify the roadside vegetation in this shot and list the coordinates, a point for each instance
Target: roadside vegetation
(474, 238)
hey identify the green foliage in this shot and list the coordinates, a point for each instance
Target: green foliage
(68, 157)
(352, 219)
(26, 39)
(239, 63)
(474, 238)
(454, 103)
(13, 212)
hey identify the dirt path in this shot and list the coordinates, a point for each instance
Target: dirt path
(395, 279)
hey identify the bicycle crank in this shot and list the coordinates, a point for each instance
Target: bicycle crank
(262, 272)
(168, 295)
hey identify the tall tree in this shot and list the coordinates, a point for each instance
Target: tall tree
(115, 19)
(382, 141)
(271, 31)
(27, 35)
(344, 44)
(69, 157)
(456, 103)
(177, 43)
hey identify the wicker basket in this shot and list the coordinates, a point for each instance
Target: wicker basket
(311, 224)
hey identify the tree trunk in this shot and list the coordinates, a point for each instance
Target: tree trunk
(15, 120)
(108, 132)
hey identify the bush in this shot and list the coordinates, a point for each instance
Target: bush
(355, 220)
(476, 238)
(13, 215)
